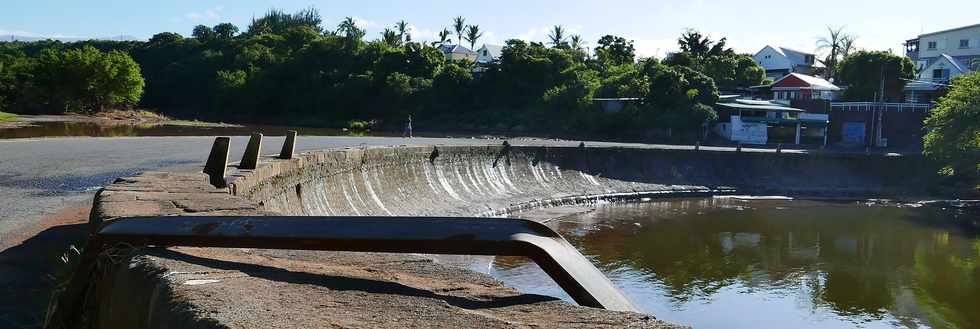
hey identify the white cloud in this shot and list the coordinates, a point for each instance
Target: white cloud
(32, 35)
(422, 34)
(534, 34)
(209, 15)
(19, 33)
(655, 47)
(365, 23)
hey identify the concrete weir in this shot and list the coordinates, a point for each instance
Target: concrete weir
(249, 288)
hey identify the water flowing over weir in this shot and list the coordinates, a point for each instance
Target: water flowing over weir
(490, 180)
(460, 181)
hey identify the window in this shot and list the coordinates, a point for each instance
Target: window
(964, 43)
(932, 45)
(938, 74)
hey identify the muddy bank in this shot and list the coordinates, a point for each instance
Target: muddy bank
(107, 119)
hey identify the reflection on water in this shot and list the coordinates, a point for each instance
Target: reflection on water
(721, 263)
(67, 129)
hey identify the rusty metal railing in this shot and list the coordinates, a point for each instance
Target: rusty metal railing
(426, 235)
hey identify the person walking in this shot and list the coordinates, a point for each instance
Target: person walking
(408, 127)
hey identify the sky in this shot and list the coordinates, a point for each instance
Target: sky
(653, 25)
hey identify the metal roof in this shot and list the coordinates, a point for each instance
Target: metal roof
(767, 106)
(950, 30)
(814, 82)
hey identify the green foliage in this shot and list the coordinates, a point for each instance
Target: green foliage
(729, 70)
(613, 51)
(865, 71)
(954, 129)
(69, 80)
(285, 69)
(4, 116)
(277, 21)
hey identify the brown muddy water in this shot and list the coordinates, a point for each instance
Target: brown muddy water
(726, 263)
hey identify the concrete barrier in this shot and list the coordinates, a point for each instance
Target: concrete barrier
(250, 159)
(422, 181)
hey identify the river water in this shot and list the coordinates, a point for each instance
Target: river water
(729, 263)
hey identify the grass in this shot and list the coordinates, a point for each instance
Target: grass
(4, 116)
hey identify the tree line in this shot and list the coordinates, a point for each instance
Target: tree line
(287, 68)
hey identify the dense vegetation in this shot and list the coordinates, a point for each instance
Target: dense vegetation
(867, 73)
(954, 131)
(81, 79)
(289, 69)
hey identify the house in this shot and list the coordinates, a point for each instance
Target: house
(780, 61)
(764, 122)
(939, 57)
(796, 86)
(488, 54)
(458, 52)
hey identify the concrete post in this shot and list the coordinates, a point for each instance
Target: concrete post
(289, 146)
(250, 160)
(797, 133)
(217, 164)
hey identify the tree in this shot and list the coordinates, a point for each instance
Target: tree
(576, 42)
(225, 31)
(459, 24)
(868, 72)
(954, 130)
(86, 80)
(443, 37)
(402, 29)
(277, 21)
(701, 47)
(351, 33)
(557, 37)
(203, 33)
(472, 34)
(834, 42)
(390, 38)
(613, 50)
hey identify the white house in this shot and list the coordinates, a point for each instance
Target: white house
(780, 61)
(488, 53)
(458, 52)
(939, 57)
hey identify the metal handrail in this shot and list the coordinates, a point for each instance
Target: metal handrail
(427, 235)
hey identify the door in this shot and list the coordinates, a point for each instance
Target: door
(854, 133)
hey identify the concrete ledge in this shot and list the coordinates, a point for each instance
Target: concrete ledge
(239, 288)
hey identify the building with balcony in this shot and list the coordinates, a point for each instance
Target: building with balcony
(939, 57)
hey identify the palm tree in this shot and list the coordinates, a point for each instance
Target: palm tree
(402, 28)
(472, 34)
(557, 36)
(349, 30)
(459, 24)
(390, 38)
(833, 42)
(443, 37)
(576, 42)
(847, 46)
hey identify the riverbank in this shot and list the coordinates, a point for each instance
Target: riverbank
(105, 119)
